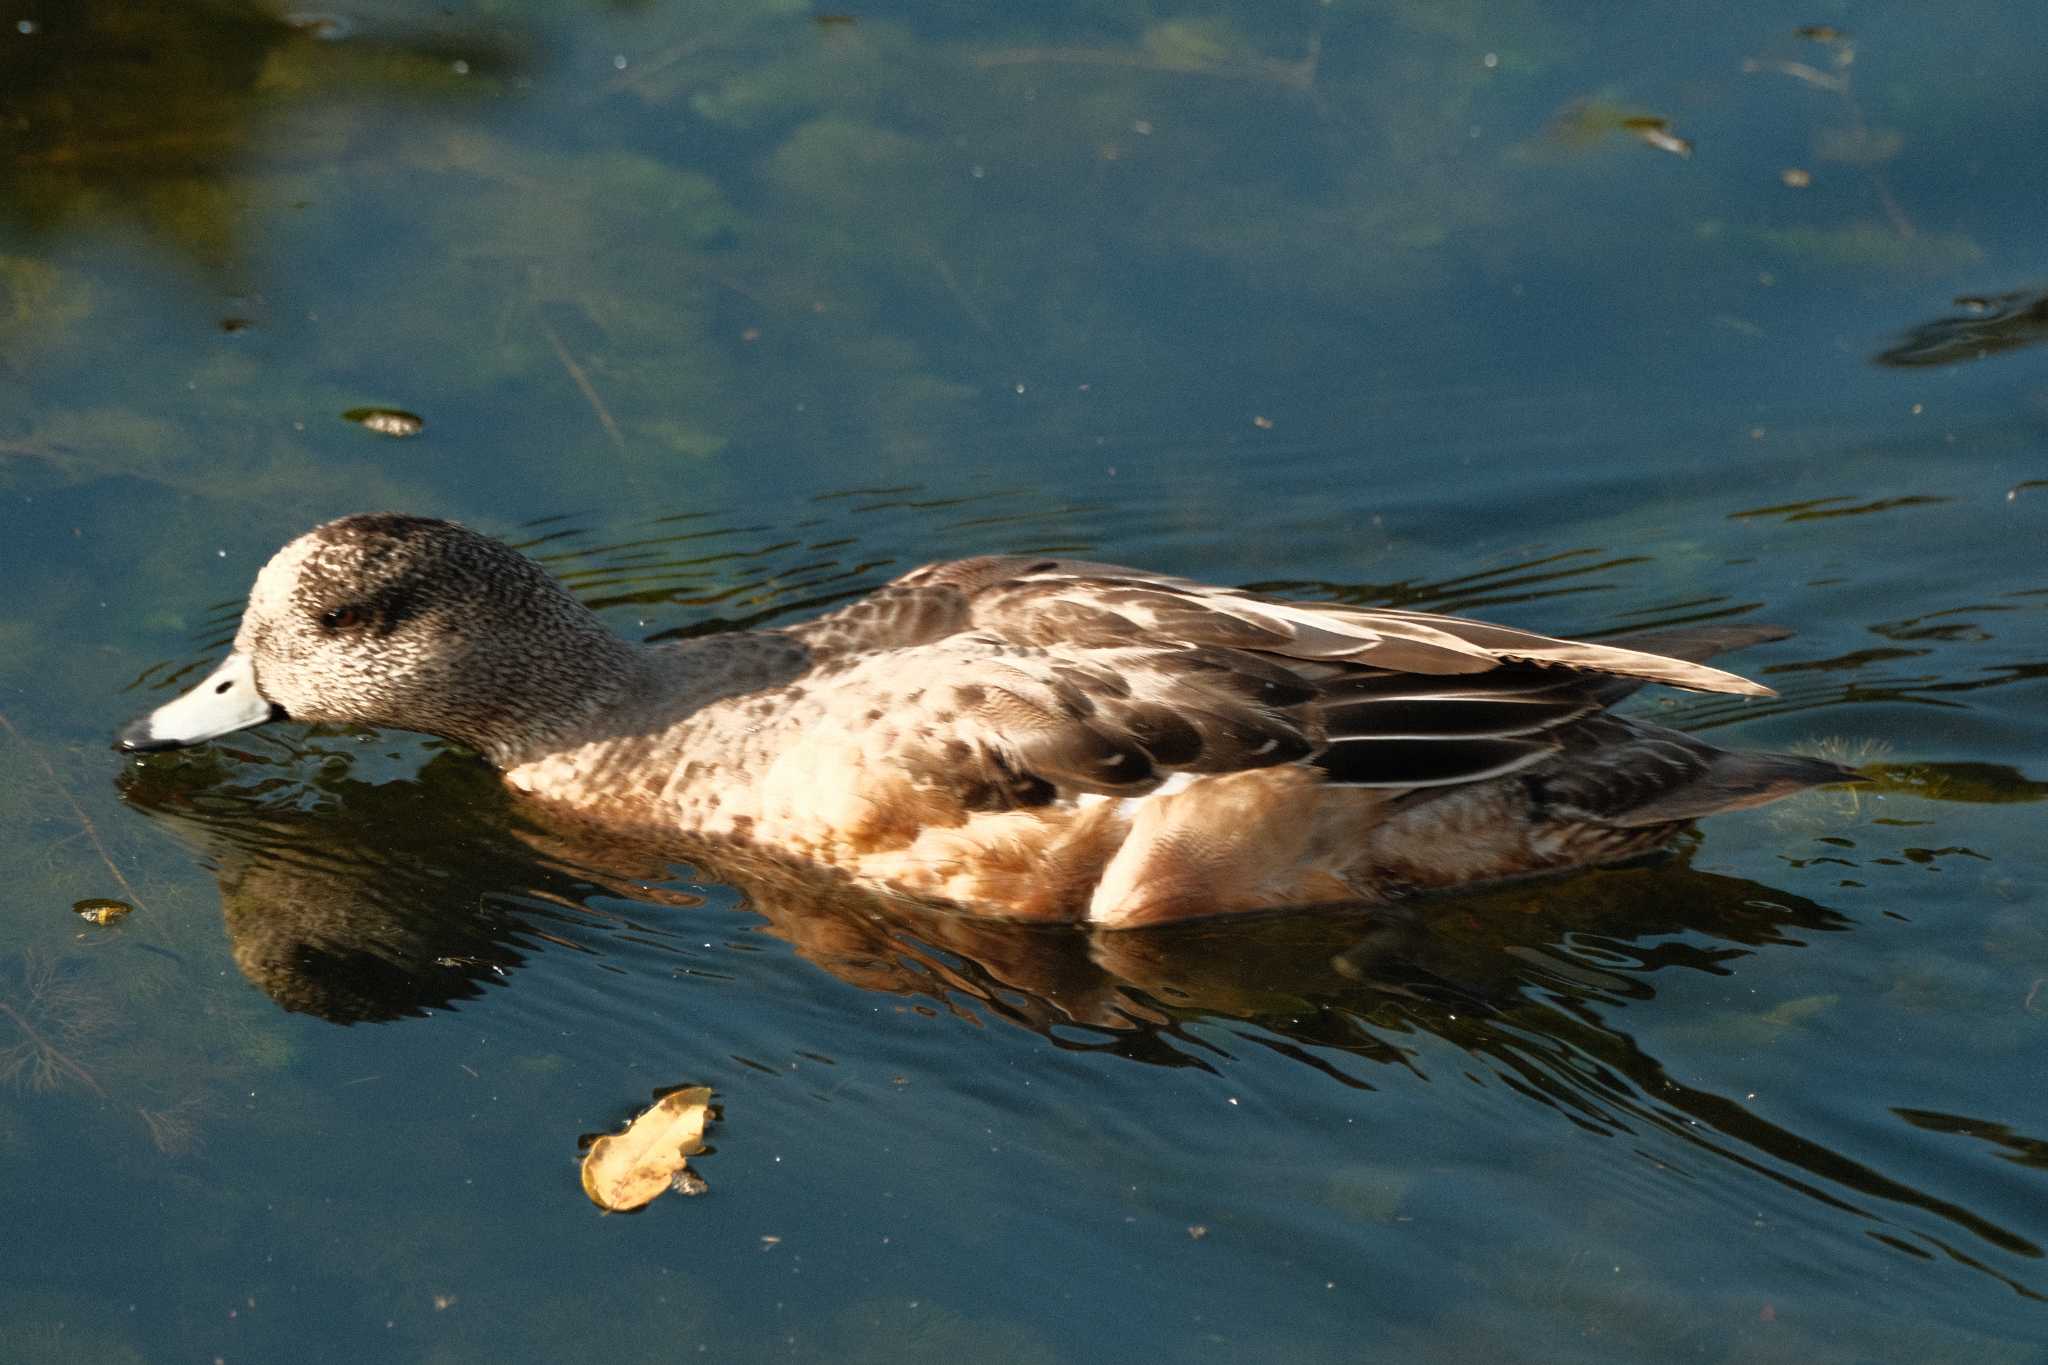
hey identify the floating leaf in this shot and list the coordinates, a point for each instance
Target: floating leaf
(623, 1171)
(1657, 133)
(386, 421)
(102, 911)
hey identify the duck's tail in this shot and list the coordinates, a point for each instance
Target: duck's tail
(1733, 781)
(1620, 773)
(1704, 780)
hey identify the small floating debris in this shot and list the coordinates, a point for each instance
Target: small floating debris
(1585, 121)
(100, 911)
(386, 421)
(624, 1171)
(1657, 132)
(1822, 33)
(1796, 177)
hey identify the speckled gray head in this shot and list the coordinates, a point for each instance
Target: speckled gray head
(403, 621)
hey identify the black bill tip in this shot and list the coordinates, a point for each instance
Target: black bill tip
(135, 738)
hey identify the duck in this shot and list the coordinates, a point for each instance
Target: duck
(1024, 737)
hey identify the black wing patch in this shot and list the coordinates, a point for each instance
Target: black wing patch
(1427, 762)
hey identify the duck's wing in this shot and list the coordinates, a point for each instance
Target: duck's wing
(1058, 603)
(997, 724)
(948, 598)
(1043, 678)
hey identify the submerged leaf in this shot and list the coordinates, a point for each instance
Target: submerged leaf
(1975, 783)
(623, 1171)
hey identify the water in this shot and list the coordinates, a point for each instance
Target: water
(730, 311)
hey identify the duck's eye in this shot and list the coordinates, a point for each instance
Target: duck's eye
(341, 618)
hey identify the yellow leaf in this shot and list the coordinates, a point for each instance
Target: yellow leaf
(623, 1171)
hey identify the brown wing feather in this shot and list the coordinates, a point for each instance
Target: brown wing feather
(898, 616)
(1054, 678)
(1055, 601)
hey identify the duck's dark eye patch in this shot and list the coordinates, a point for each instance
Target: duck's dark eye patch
(341, 618)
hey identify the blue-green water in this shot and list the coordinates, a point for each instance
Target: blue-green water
(731, 309)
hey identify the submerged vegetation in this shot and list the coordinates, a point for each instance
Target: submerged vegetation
(85, 980)
(52, 1024)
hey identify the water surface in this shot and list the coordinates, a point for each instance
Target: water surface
(1584, 322)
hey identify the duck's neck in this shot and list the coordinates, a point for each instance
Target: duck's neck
(610, 689)
(543, 697)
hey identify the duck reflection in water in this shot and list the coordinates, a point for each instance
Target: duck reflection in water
(358, 901)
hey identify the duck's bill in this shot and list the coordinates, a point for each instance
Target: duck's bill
(225, 702)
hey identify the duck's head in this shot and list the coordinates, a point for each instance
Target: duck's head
(403, 621)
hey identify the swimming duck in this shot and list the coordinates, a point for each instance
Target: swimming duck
(1023, 736)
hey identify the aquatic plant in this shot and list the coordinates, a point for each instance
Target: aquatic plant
(50, 1022)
